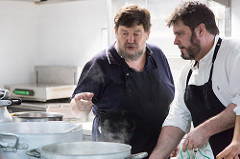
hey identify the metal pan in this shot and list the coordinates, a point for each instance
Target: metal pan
(86, 150)
(36, 116)
(17, 138)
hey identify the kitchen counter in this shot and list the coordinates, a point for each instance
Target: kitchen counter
(58, 107)
(69, 117)
(87, 131)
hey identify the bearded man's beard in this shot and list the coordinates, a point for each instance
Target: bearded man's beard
(133, 57)
(193, 49)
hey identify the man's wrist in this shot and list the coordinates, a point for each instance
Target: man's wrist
(206, 131)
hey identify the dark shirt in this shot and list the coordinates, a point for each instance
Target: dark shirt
(104, 76)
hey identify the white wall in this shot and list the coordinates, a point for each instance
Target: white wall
(50, 34)
(235, 12)
(18, 41)
(70, 34)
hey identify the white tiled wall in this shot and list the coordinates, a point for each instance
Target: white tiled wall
(235, 12)
(70, 33)
(18, 40)
(61, 34)
(50, 34)
(176, 63)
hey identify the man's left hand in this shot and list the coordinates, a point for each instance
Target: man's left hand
(196, 138)
(175, 152)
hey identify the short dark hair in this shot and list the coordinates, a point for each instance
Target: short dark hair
(193, 13)
(133, 15)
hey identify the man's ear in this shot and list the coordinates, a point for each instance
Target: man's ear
(115, 31)
(147, 35)
(201, 29)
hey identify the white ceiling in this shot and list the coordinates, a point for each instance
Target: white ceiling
(46, 1)
(224, 2)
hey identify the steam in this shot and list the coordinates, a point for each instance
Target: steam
(118, 132)
(96, 73)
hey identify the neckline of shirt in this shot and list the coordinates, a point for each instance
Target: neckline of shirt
(207, 59)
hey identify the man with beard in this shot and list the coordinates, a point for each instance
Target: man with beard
(208, 89)
(129, 85)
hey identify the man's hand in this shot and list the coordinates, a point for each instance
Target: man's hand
(84, 100)
(230, 152)
(196, 138)
(82, 104)
(175, 152)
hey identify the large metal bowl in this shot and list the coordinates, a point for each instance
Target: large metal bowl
(18, 137)
(85, 150)
(36, 116)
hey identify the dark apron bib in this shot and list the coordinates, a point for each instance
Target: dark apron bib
(139, 118)
(203, 104)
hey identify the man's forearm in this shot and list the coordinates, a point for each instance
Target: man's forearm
(168, 140)
(223, 121)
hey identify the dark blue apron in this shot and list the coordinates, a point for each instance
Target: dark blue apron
(139, 118)
(203, 104)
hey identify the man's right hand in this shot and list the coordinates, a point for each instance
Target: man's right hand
(81, 105)
(230, 152)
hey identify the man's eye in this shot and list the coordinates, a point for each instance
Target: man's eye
(124, 34)
(179, 33)
(137, 35)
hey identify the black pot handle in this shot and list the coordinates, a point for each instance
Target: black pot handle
(10, 101)
(16, 101)
(34, 153)
(138, 155)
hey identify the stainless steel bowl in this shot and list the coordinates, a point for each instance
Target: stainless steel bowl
(36, 116)
(85, 150)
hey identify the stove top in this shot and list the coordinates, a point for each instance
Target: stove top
(40, 92)
(52, 82)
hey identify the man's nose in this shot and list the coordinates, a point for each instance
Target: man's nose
(176, 41)
(130, 38)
